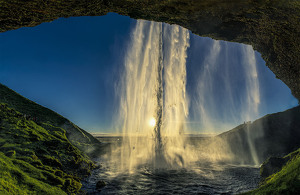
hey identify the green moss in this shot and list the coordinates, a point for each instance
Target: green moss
(71, 185)
(286, 181)
(43, 124)
(14, 180)
(38, 158)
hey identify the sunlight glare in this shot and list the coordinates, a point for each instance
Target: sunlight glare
(152, 122)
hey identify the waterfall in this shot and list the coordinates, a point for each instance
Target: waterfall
(153, 100)
(253, 97)
(204, 102)
(232, 107)
(175, 101)
(154, 105)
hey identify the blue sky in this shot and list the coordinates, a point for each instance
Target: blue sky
(72, 65)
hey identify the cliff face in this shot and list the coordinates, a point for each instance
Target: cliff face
(272, 135)
(271, 27)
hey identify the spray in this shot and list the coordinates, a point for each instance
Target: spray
(154, 105)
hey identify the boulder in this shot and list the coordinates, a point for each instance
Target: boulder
(100, 184)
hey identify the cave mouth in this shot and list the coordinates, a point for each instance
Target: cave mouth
(80, 73)
(74, 64)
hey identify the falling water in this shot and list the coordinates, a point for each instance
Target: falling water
(253, 96)
(233, 108)
(205, 86)
(153, 111)
(175, 112)
(154, 106)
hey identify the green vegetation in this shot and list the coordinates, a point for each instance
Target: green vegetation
(271, 27)
(36, 157)
(40, 151)
(23, 105)
(51, 121)
(16, 181)
(286, 181)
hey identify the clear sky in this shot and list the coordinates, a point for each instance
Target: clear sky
(72, 65)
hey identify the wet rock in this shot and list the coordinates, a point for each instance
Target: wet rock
(271, 166)
(275, 164)
(100, 184)
(97, 166)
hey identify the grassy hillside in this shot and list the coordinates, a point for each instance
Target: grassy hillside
(14, 180)
(286, 181)
(37, 157)
(253, 142)
(272, 135)
(77, 136)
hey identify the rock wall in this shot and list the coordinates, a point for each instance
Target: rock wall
(273, 135)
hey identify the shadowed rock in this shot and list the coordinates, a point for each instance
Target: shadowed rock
(100, 184)
(271, 166)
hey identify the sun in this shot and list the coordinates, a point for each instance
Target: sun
(152, 122)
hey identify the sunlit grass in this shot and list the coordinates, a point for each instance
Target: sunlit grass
(48, 121)
(37, 158)
(14, 180)
(286, 181)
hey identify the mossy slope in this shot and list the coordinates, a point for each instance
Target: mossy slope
(286, 181)
(37, 157)
(14, 180)
(77, 136)
(40, 151)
